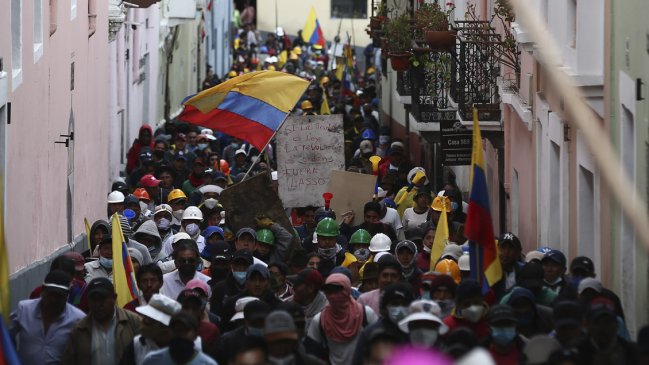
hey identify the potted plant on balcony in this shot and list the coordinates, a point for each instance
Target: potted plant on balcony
(398, 32)
(376, 21)
(433, 22)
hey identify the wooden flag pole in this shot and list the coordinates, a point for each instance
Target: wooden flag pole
(582, 117)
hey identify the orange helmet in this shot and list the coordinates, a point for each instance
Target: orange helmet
(141, 194)
(223, 166)
(450, 268)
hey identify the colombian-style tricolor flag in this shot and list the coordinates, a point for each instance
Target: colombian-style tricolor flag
(8, 354)
(123, 274)
(251, 106)
(485, 265)
(312, 33)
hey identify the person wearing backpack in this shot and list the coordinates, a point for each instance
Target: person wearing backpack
(334, 332)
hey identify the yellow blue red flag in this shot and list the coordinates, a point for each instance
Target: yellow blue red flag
(123, 273)
(478, 228)
(251, 106)
(312, 33)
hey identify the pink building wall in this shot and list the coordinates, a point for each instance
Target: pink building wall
(37, 169)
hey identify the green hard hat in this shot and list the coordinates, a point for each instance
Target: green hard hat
(266, 236)
(360, 237)
(327, 228)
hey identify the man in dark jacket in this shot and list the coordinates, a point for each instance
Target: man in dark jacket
(233, 284)
(372, 223)
(283, 341)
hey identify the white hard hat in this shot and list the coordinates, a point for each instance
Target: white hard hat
(380, 243)
(241, 150)
(180, 236)
(280, 31)
(193, 213)
(115, 197)
(464, 262)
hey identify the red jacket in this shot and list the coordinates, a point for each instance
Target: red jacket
(133, 155)
(481, 328)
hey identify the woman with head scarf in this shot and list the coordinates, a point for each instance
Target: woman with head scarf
(334, 332)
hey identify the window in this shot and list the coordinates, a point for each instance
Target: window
(586, 212)
(73, 9)
(349, 9)
(92, 17)
(16, 42)
(53, 15)
(572, 23)
(38, 29)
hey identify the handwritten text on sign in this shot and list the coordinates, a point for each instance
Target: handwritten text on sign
(308, 148)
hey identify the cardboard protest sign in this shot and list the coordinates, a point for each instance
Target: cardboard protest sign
(308, 149)
(351, 191)
(255, 195)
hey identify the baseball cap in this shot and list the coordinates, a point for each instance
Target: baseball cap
(256, 309)
(501, 313)
(423, 310)
(534, 255)
(219, 176)
(191, 294)
(556, 256)
(198, 284)
(239, 305)
(247, 230)
(279, 325)
(407, 244)
(163, 208)
(366, 146)
(100, 286)
(146, 155)
(582, 262)
(57, 280)
(149, 181)
(78, 259)
(160, 308)
(180, 155)
(589, 283)
(218, 250)
(599, 307)
(307, 276)
(413, 234)
(258, 268)
(243, 254)
(510, 238)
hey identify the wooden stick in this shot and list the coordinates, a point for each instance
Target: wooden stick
(582, 117)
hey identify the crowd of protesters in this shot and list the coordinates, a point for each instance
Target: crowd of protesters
(352, 289)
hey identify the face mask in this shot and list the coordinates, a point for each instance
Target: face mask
(427, 249)
(255, 332)
(446, 306)
(288, 360)
(453, 206)
(503, 335)
(192, 229)
(327, 253)
(384, 139)
(362, 254)
(159, 154)
(178, 214)
(525, 320)
(425, 295)
(181, 350)
(424, 337)
(202, 146)
(239, 276)
(397, 313)
(105, 263)
(163, 224)
(473, 313)
(187, 269)
(210, 203)
(234, 145)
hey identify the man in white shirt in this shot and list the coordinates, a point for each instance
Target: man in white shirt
(186, 258)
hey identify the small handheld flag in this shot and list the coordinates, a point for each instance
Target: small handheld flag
(123, 274)
(312, 33)
(85, 221)
(441, 235)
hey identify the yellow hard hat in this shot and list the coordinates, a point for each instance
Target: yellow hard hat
(176, 194)
(306, 105)
(232, 74)
(441, 203)
(246, 70)
(297, 50)
(324, 80)
(371, 70)
(293, 56)
(271, 68)
(450, 268)
(317, 46)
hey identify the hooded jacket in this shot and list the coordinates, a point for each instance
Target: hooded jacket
(98, 224)
(149, 228)
(133, 155)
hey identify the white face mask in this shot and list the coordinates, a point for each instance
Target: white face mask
(427, 249)
(192, 229)
(210, 203)
(287, 360)
(424, 337)
(473, 313)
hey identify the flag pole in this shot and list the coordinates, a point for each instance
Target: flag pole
(266, 145)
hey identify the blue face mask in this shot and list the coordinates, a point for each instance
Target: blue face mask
(397, 313)
(453, 206)
(425, 295)
(201, 146)
(255, 332)
(105, 263)
(503, 335)
(239, 276)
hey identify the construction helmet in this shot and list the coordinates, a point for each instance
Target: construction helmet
(297, 50)
(411, 174)
(327, 228)
(441, 203)
(306, 105)
(324, 80)
(450, 268)
(232, 74)
(266, 236)
(176, 194)
(141, 194)
(193, 213)
(380, 243)
(360, 237)
(115, 197)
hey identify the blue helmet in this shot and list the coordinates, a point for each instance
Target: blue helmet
(368, 134)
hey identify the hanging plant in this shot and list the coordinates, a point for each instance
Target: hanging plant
(398, 32)
(433, 22)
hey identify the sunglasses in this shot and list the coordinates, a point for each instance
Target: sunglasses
(187, 260)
